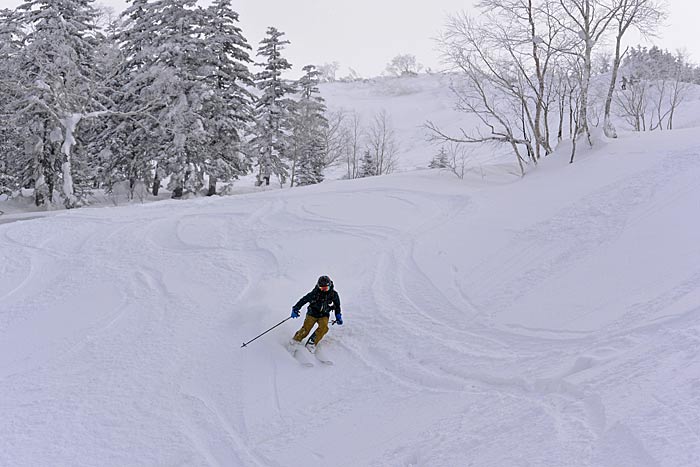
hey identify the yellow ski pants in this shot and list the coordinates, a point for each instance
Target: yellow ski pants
(309, 323)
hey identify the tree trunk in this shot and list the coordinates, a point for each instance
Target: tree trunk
(608, 126)
(69, 123)
(573, 148)
(156, 185)
(520, 159)
(39, 187)
(562, 106)
(178, 191)
(572, 113)
(547, 133)
(212, 186)
(582, 124)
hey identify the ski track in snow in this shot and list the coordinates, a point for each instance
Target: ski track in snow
(136, 315)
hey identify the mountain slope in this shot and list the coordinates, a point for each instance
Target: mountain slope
(550, 321)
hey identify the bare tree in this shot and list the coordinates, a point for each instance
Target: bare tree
(670, 91)
(679, 89)
(587, 20)
(645, 16)
(382, 144)
(493, 89)
(352, 75)
(458, 159)
(656, 83)
(526, 32)
(404, 65)
(632, 104)
(501, 129)
(334, 137)
(353, 135)
(328, 71)
(564, 94)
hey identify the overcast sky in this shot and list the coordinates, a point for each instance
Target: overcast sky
(366, 34)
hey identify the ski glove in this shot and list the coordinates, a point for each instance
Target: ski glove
(295, 313)
(339, 319)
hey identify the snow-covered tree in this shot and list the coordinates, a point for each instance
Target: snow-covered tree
(368, 165)
(404, 65)
(11, 35)
(11, 39)
(439, 160)
(60, 87)
(309, 123)
(184, 68)
(229, 109)
(163, 77)
(654, 83)
(134, 148)
(327, 72)
(273, 109)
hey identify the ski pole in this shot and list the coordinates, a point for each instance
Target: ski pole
(273, 327)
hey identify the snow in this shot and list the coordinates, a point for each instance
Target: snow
(552, 320)
(409, 102)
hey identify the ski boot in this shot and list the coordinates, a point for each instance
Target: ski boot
(311, 343)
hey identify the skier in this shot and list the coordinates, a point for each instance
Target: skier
(322, 300)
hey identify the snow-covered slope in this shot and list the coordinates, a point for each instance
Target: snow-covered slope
(409, 102)
(552, 321)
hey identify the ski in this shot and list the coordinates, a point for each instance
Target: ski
(319, 355)
(325, 361)
(293, 349)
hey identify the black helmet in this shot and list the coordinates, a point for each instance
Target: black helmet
(324, 281)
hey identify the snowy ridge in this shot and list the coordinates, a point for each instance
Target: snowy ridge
(551, 321)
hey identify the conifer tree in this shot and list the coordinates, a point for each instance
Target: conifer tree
(165, 61)
(11, 35)
(133, 146)
(368, 165)
(273, 109)
(309, 125)
(229, 109)
(439, 161)
(60, 87)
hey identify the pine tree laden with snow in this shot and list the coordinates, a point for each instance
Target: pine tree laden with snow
(273, 109)
(229, 109)
(368, 165)
(439, 161)
(309, 124)
(60, 87)
(185, 72)
(11, 36)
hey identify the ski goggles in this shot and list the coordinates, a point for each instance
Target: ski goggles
(324, 287)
